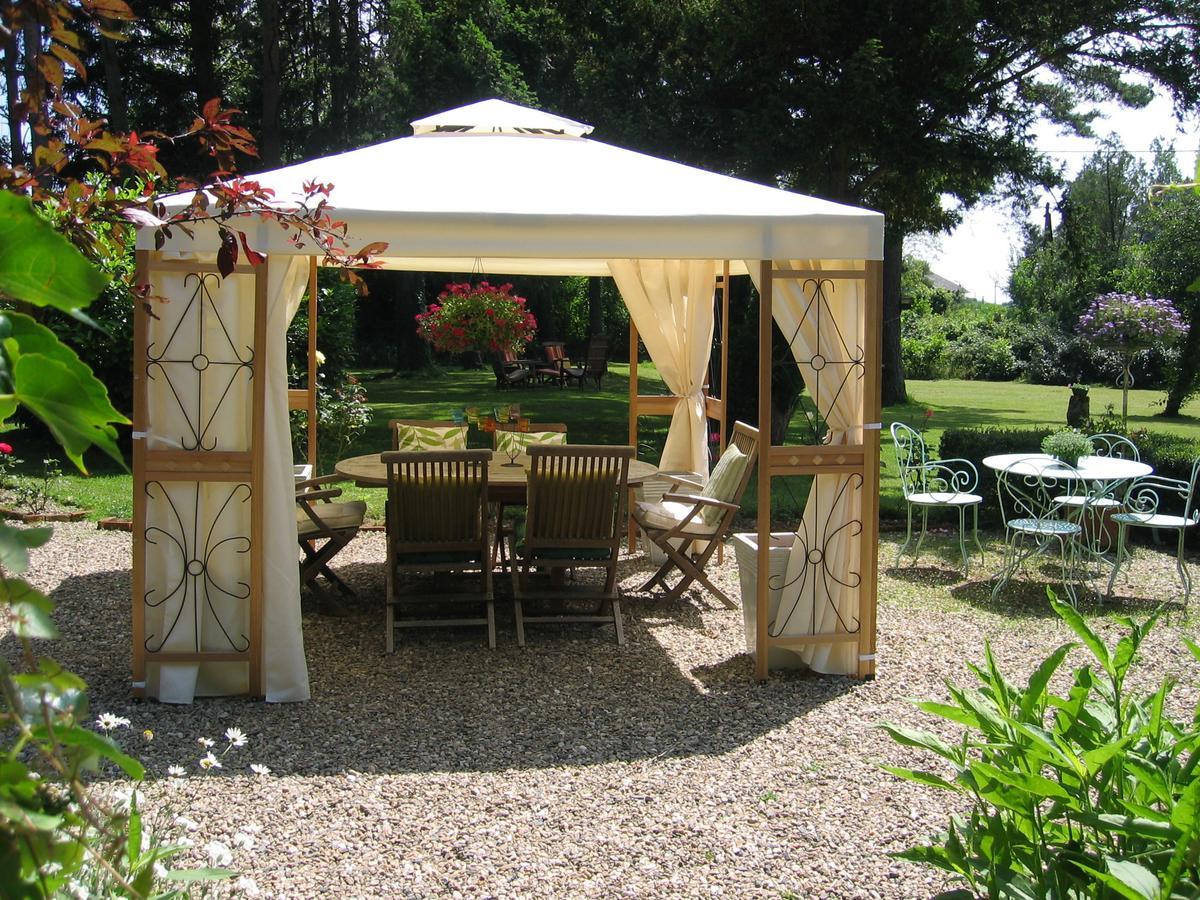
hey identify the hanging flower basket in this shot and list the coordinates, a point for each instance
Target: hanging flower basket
(1130, 323)
(483, 317)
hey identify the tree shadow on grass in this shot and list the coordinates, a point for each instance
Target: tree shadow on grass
(444, 702)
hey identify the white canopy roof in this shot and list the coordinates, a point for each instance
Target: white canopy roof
(503, 188)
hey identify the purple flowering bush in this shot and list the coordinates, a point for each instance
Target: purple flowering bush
(1130, 322)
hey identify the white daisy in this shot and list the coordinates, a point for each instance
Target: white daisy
(176, 771)
(107, 722)
(235, 736)
(243, 841)
(260, 769)
(247, 886)
(210, 762)
(205, 742)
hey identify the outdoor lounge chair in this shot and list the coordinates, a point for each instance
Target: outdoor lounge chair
(556, 361)
(416, 434)
(574, 520)
(594, 365)
(1143, 501)
(437, 523)
(323, 528)
(932, 484)
(688, 526)
(508, 376)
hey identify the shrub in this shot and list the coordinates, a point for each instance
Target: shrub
(924, 357)
(976, 443)
(983, 356)
(342, 414)
(1094, 793)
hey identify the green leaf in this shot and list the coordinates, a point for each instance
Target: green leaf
(37, 264)
(911, 737)
(1184, 817)
(57, 386)
(947, 711)
(15, 544)
(1140, 880)
(926, 778)
(31, 610)
(29, 818)
(1036, 688)
(1077, 624)
(207, 874)
(77, 736)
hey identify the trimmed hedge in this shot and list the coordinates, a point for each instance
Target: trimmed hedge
(1171, 455)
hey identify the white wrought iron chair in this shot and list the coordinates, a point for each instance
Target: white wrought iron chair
(935, 484)
(1143, 501)
(1035, 520)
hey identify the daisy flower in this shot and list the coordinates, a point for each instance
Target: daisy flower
(260, 769)
(210, 762)
(107, 722)
(235, 736)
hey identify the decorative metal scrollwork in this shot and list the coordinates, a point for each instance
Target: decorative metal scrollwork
(224, 362)
(197, 586)
(812, 586)
(828, 357)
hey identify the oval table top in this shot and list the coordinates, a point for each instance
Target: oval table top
(1090, 468)
(368, 471)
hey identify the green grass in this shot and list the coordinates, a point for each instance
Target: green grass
(601, 417)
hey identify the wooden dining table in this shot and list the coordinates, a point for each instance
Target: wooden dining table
(506, 483)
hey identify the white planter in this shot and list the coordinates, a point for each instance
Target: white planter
(745, 550)
(652, 490)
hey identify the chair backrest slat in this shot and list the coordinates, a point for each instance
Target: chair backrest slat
(437, 499)
(577, 496)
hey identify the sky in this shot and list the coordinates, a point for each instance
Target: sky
(978, 254)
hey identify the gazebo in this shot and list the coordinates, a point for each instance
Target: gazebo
(498, 188)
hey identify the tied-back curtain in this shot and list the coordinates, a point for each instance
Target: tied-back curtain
(200, 367)
(823, 322)
(670, 301)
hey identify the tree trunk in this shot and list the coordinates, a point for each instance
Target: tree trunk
(335, 53)
(269, 143)
(1185, 376)
(595, 305)
(12, 97)
(118, 106)
(202, 47)
(893, 364)
(35, 84)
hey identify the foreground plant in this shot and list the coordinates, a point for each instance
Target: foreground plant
(1091, 794)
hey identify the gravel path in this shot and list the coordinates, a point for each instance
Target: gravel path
(572, 768)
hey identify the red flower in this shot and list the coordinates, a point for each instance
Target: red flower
(5, 449)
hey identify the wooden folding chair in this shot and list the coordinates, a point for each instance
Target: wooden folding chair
(437, 522)
(576, 510)
(690, 525)
(556, 361)
(508, 436)
(323, 528)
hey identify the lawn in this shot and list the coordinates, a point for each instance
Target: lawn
(601, 417)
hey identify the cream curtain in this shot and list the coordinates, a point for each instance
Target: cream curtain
(671, 303)
(197, 542)
(823, 322)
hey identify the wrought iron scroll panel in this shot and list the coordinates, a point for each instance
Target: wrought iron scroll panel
(829, 361)
(206, 361)
(204, 549)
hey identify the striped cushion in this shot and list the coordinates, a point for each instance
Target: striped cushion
(420, 437)
(724, 482)
(506, 440)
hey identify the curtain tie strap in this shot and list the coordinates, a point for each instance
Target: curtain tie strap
(872, 426)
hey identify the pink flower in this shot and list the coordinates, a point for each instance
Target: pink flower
(5, 449)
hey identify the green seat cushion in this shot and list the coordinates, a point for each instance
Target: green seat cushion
(506, 440)
(418, 438)
(435, 557)
(724, 482)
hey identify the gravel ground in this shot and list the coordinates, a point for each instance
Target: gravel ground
(574, 768)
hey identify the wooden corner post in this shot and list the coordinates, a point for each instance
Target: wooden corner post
(762, 597)
(872, 313)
